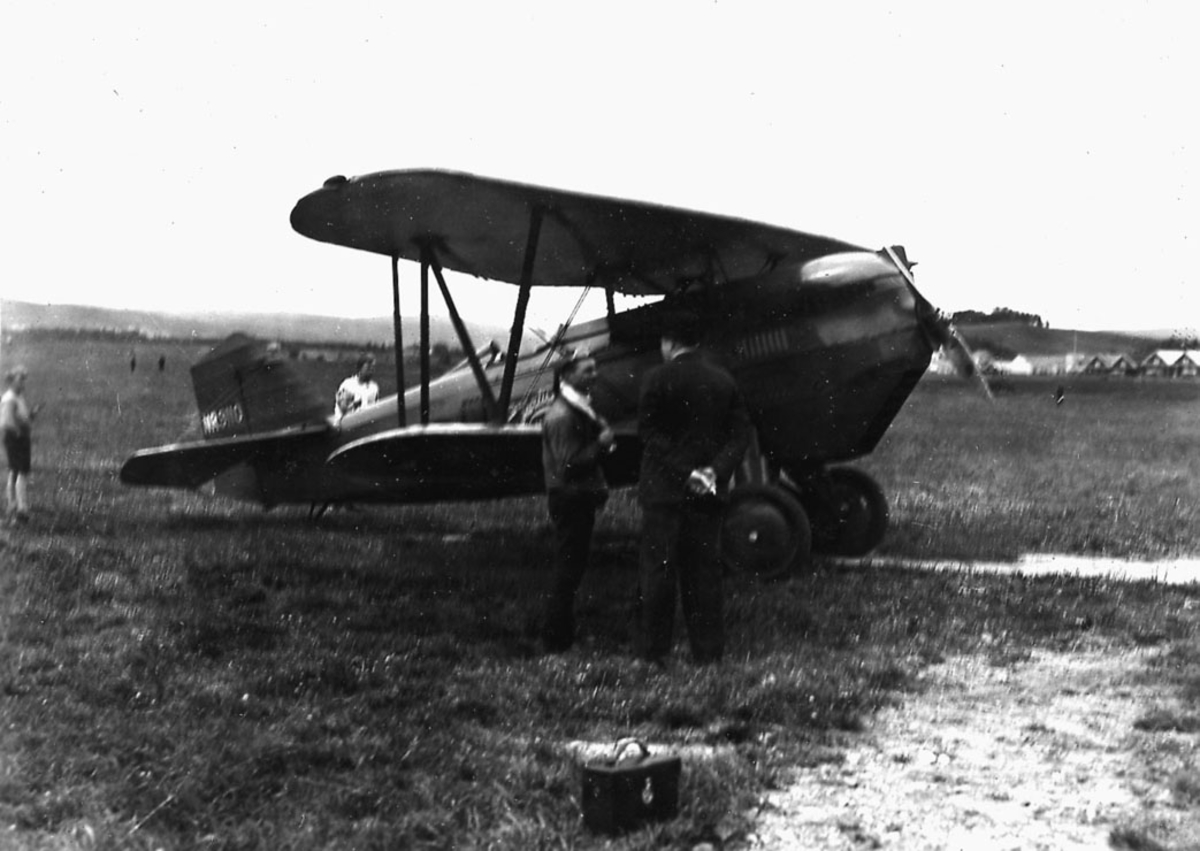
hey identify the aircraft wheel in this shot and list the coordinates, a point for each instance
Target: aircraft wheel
(764, 531)
(852, 516)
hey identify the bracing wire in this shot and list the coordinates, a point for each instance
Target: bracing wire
(553, 348)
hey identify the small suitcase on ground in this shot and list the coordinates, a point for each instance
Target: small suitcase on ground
(624, 794)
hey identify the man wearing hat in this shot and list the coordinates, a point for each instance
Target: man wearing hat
(694, 429)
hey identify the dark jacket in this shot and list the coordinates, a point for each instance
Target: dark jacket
(690, 415)
(571, 452)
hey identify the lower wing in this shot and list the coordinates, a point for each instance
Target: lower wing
(463, 461)
(452, 461)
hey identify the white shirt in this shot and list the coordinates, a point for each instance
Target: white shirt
(352, 395)
(14, 412)
(580, 402)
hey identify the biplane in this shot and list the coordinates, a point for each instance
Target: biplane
(826, 339)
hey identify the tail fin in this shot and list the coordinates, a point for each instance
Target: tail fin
(247, 386)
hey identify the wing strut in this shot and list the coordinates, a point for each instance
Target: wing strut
(518, 326)
(401, 413)
(424, 343)
(429, 260)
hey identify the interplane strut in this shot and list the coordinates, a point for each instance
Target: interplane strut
(518, 326)
(401, 413)
(429, 260)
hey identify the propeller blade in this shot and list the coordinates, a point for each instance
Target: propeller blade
(939, 327)
(959, 353)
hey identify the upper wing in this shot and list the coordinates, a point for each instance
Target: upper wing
(479, 226)
(190, 465)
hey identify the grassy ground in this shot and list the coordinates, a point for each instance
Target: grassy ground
(180, 673)
(1112, 471)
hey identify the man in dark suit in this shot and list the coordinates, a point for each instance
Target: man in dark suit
(694, 429)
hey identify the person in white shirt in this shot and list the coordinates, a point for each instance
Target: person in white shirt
(16, 421)
(357, 391)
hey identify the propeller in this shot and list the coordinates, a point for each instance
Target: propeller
(959, 353)
(939, 327)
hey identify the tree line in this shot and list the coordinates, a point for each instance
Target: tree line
(999, 314)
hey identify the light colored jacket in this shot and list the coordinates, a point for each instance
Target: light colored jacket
(15, 417)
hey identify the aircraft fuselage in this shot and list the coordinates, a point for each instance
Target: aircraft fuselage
(825, 354)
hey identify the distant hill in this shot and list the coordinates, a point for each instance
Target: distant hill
(1024, 339)
(20, 315)
(999, 337)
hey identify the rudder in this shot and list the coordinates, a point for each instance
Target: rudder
(247, 386)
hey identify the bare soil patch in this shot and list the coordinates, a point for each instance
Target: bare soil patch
(1033, 753)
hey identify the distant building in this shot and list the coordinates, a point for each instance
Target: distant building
(1050, 364)
(1020, 365)
(1110, 364)
(324, 355)
(1163, 363)
(1125, 365)
(1169, 363)
(1075, 362)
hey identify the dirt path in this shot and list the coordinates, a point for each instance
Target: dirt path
(1039, 754)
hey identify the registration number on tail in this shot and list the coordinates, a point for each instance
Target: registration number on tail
(222, 419)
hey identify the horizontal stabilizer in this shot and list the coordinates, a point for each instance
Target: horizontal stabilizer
(190, 465)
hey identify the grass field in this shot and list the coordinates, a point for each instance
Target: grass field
(1112, 471)
(178, 673)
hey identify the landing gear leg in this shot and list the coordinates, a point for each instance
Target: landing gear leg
(764, 530)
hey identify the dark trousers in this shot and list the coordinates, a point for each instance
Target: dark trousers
(679, 547)
(574, 517)
(19, 451)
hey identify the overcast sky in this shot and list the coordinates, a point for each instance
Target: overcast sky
(1040, 156)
